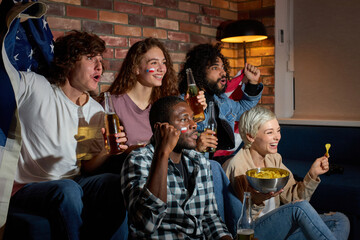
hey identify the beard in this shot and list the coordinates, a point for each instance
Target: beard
(213, 88)
(183, 143)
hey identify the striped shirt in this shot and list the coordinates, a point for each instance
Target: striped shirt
(188, 214)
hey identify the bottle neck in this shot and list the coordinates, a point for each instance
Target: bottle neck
(211, 110)
(109, 107)
(246, 209)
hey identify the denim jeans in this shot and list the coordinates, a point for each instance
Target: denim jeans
(298, 218)
(84, 208)
(338, 223)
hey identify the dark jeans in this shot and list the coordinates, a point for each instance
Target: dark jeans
(89, 207)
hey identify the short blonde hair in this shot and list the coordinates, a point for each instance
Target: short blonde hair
(251, 120)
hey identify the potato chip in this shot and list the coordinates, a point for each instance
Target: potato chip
(267, 174)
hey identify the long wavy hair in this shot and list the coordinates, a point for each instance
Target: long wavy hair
(68, 50)
(199, 58)
(127, 77)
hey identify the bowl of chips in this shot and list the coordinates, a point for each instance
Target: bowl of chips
(267, 179)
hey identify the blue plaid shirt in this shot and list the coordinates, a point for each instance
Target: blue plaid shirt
(186, 215)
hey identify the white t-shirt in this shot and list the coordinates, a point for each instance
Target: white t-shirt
(56, 133)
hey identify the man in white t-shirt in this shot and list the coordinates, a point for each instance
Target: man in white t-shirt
(62, 142)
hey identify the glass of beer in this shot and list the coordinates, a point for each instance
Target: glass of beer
(193, 91)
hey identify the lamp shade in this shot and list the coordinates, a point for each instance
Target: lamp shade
(243, 31)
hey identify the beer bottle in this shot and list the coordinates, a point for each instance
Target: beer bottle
(245, 225)
(211, 124)
(112, 126)
(193, 91)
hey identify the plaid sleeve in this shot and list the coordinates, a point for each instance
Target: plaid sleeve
(214, 227)
(145, 210)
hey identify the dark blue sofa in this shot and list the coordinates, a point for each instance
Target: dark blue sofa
(339, 190)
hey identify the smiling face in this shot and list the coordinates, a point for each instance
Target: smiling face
(152, 68)
(86, 73)
(216, 77)
(267, 138)
(182, 117)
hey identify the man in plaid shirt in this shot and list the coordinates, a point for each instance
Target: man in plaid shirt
(167, 186)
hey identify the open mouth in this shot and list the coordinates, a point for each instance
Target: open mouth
(158, 77)
(223, 81)
(97, 78)
(273, 145)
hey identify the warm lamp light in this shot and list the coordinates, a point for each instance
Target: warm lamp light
(243, 31)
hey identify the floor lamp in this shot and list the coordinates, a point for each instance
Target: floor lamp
(243, 31)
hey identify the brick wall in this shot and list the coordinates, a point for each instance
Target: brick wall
(180, 24)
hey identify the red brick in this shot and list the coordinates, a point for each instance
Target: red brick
(188, 27)
(256, 61)
(178, 57)
(178, 36)
(178, 15)
(147, 2)
(153, 11)
(262, 51)
(63, 23)
(228, 14)
(267, 99)
(127, 31)
(204, 2)
(220, 4)
(268, 3)
(184, 47)
(270, 80)
(109, 53)
(268, 22)
(115, 65)
(141, 21)
(208, 31)
(81, 12)
(97, 27)
(106, 64)
(73, 2)
(113, 17)
(269, 42)
(171, 46)
(57, 34)
(166, 3)
(266, 71)
(189, 7)
(127, 7)
(132, 41)
(216, 22)
(99, 4)
(233, 6)
(243, 15)
(55, 9)
(268, 90)
(168, 24)
(209, 11)
(155, 33)
(120, 53)
(199, 19)
(115, 41)
(268, 61)
(107, 77)
(199, 39)
(246, 6)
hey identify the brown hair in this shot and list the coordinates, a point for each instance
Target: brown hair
(68, 50)
(127, 77)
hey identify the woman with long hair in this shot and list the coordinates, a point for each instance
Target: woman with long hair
(146, 75)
